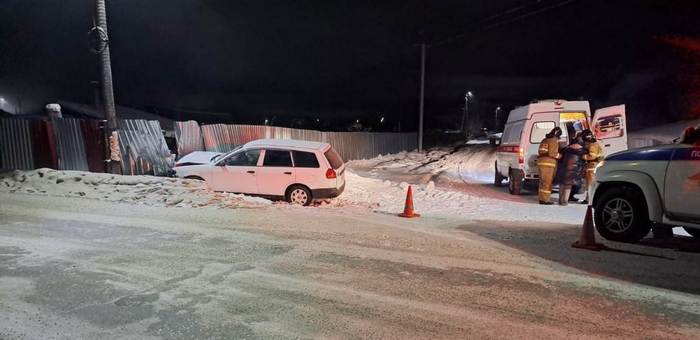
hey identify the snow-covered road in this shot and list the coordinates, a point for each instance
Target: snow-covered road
(103, 256)
(82, 269)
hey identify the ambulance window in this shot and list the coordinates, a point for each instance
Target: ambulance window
(512, 133)
(609, 127)
(539, 130)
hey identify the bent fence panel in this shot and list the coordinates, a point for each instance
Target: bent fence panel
(16, 144)
(143, 148)
(188, 137)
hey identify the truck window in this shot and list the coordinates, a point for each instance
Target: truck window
(539, 130)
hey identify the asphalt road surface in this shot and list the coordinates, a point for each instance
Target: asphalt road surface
(80, 269)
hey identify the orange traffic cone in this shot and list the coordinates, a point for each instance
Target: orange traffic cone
(587, 240)
(408, 208)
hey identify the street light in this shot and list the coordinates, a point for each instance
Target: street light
(495, 124)
(469, 95)
(2, 100)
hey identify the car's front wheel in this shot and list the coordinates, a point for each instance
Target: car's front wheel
(621, 215)
(299, 194)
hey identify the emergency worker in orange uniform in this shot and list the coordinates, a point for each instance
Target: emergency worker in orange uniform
(547, 163)
(593, 154)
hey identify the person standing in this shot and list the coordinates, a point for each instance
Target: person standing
(592, 155)
(569, 171)
(548, 153)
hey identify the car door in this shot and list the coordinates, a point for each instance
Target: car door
(276, 173)
(307, 169)
(609, 125)
(682, 185)
(237, 173)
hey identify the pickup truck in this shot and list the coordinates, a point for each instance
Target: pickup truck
(656, 186)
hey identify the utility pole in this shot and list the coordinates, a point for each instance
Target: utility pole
(106, 65)
(422, 96)
(465, 115)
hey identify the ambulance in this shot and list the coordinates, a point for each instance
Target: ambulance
(516, 158)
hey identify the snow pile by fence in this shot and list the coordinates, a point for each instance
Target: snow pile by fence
(147, 190)
(473, 163)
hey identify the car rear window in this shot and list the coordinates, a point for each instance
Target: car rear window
(334, 158)
(277, 158)
(305, 159)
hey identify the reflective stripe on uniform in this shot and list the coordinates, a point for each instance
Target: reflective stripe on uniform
(545, 191)
(547, 165)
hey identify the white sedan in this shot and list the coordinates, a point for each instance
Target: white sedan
(298, 171)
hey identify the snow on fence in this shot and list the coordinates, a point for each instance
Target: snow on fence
(350, 145)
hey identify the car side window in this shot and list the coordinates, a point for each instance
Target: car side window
(243, 158)
(277, 158)
(305, 159)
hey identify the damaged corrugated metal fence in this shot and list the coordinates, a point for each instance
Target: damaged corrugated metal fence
(79, 144)
(143, 148)
(351, 145)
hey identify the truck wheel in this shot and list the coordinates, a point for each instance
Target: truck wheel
(497, 178)
(693, 232)
(515, 183)
(621, 215)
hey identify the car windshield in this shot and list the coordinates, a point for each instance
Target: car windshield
(217, 157)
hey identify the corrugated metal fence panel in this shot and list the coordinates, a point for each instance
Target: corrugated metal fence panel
(350, 145)
(188, 137)
(15, 144)
(143, 148)
(94, 141)
(70, 144)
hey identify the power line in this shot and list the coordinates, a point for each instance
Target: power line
(482, 26)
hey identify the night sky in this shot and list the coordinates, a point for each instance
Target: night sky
(358, 59)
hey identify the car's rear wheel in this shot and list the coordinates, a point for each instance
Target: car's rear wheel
(621, 215)
(693, 232)
(515, 182)
(299, 194)
(197, 178)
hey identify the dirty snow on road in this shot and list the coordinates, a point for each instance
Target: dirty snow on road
(145, 190)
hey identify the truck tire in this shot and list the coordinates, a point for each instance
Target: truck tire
(621, 215)
(695, 233)
(515, 182)
(497, 178)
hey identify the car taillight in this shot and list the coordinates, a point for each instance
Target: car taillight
(330, 174)
(521, 155)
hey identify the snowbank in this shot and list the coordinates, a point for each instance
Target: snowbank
(472, 164)
(662, 134)
(388, 197)
(147, 190)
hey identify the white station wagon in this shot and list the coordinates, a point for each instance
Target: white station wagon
(298, 171)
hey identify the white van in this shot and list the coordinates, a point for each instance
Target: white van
(516, 158)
